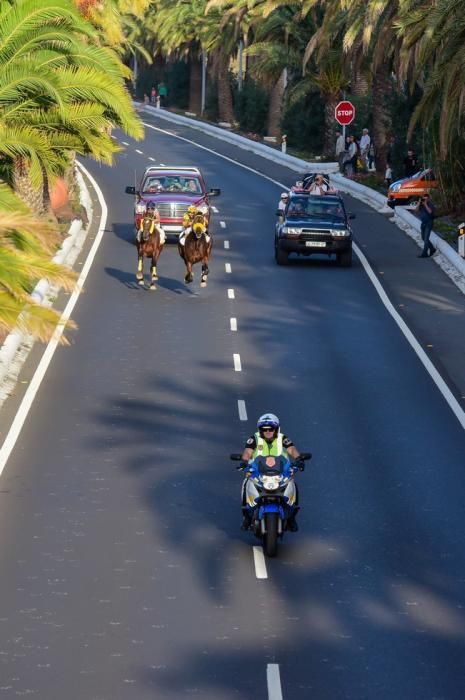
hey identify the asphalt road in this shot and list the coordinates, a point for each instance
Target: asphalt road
(124, 574)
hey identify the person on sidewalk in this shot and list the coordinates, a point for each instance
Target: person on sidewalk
(425, 210)
(340, 150)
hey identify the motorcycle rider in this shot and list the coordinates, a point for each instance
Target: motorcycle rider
(268, 441)
(153, 215)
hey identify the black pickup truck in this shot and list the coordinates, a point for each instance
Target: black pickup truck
(313, 224)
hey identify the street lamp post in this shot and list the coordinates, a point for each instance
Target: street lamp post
(204, 81)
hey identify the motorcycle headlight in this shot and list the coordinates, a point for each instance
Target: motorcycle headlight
(271, 483)
(338, 232)
(140, 208)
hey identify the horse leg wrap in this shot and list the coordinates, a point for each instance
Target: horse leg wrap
(154, 273)
(140, 271)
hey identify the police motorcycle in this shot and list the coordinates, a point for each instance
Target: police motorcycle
(271, 495)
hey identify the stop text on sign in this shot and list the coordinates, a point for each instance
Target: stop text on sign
(344, 113)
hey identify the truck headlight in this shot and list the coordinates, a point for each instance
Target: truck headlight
(394, 188)
(339, 233)
(293, 231)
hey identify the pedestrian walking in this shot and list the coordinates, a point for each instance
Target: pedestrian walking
(350, 158)
(339, 150)
(425, 210)
(153, 95)
(410, 163)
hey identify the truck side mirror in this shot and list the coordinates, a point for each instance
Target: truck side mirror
(130, 190)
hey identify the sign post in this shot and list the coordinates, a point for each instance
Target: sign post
(344, 113)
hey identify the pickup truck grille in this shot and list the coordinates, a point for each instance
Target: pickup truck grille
(323, 235)
(167, 211)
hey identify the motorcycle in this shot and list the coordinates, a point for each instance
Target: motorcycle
(270, 496)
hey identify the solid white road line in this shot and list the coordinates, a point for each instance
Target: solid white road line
(141, 153)
(242, 409)
(227, 267)
(233, 322)
(226, 245)
(231, 294)
(237, 362)
(423, 357)
(259, 561)
(31, 391)
(223, 224)
(273, 681)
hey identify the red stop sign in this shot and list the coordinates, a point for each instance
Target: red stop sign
(344, 113)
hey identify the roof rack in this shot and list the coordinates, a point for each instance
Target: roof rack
(183, 168)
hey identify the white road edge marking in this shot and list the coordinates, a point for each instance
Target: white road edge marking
(227, 267)
(231, 294)
(259, 561)
(233, 322)
(31, 391)
(226, 245)
(223, 224)
(454, 405)
(237, 362)
(141, 153)
(421, 354)
(273, 681)
(242, 409)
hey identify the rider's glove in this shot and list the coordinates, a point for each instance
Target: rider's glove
(243, 465)
(300, 464)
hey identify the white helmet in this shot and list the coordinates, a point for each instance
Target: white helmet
(268, 420)
(284, 195)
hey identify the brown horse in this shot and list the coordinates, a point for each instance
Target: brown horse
(150, 246)
(197, 247)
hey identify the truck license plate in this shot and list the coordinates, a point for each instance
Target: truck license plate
(315, 244)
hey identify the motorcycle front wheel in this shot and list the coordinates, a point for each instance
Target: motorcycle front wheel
(270, 538)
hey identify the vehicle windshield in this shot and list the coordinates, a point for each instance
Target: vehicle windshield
(270, 465)
(186, 185)
(311, 208)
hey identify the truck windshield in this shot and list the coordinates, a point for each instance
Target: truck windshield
(309, 208)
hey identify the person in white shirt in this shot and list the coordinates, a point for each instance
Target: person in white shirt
(318, 186)
(365, 142)
(283, 200)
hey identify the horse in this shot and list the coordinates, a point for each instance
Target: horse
(150, 246)
(197, 247)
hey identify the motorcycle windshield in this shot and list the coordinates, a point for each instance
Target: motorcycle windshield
(271, 466)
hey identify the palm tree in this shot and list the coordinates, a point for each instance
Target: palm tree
(24, 258)
(59, 93)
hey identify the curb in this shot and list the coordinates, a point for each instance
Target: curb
(17, 345)
(453, 265)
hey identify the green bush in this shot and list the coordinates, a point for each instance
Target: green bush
(251, 106)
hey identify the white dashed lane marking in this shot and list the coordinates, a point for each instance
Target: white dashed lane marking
(242, 409)
(227, 267)
(141, 153)
(237, 362)
(152, 159)
(125, 143)
(215, 210)
(259, 561)
(226, 245)
(233, 322)
(273, 681)
(223, 224)
(231, 294)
